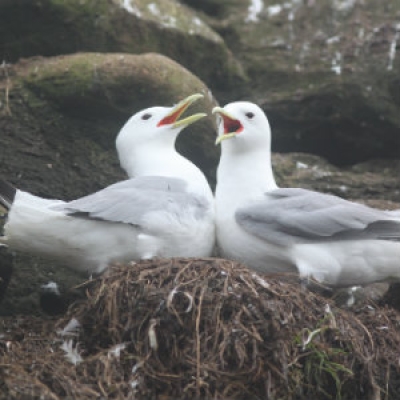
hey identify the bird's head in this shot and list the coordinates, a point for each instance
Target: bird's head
(156, 125)
(243, 124)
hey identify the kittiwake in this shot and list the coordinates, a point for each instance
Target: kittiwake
(337, 242)
(167, 210)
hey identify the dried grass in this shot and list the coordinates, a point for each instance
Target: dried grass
(208, 329)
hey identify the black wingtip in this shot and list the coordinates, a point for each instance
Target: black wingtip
(7, 194)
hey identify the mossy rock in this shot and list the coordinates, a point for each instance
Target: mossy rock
(77, 104)
(55, 27)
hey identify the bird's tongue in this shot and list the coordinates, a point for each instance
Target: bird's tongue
(173, 117)
(231, 125)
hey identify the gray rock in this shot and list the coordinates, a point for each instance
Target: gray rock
(6, 270)
(375, 182)
(163, 26)
(327, 73)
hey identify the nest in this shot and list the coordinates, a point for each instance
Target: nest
(206, 329)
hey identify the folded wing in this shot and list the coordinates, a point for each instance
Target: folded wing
(130, 201)
(290, 216)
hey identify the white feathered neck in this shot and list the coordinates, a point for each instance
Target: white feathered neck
(245, 168)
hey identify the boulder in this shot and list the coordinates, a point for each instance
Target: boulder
(61, 115)
(326, 72)
(53, 27)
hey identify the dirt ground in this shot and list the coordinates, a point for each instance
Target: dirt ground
(205, 329)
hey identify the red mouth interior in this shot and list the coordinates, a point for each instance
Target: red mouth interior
(170, 119)
(231, 125)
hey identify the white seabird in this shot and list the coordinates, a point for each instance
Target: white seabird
(335, 241)
(166, 211)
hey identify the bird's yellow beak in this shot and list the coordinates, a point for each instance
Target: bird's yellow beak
(232, 126)
(223, 137)
(172, 118)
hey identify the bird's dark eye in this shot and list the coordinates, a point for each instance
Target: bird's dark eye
(146, 116)
(249, 115)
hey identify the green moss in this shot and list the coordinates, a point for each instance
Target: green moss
(53, 27)
(323, 366)
(62, 79)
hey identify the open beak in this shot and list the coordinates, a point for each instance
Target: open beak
(172, 118)
(232, 126)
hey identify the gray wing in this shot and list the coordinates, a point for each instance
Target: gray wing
(129, 201)
(288, 216)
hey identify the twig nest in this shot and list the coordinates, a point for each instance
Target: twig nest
(205, 329)
(211, 328)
